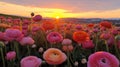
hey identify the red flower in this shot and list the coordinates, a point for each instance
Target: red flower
(90, 25)
(48, 25)
(106, 24)
(80, 36)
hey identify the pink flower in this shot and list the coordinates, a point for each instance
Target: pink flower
(14, 34)
(11, 55)
(37, 18)
(78, 27)
(114, 31)
(102, 59)
(66, 42)
(27, 41)
(35, 28)
(110, 41)
(25, 26)
(25, 32)
(105, 36)
(67, 48)
(30, 61)
(25, 21)
(88, 44)
(54, 56)
(95, 30)
(54, 37)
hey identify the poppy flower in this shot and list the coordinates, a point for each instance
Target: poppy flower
(54, 56)
(102, 59)
(80, 36)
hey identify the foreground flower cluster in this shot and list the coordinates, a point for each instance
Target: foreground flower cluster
(41, 43)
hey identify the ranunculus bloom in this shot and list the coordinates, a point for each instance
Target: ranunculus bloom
(67, 48)
(2, 25)
(66, 42)
(30, 61)
(105, 36)
(36, 27)
(80, 36)
(106, 24)
(25, 21)
(37, 18)
(102, 59)
(16, 21)
(78, 27)
(90, 25)
(54, 37)
(114, 31)
(11, 55)
(88, 44)
(111, 41)
(48, 25)
(95, 30)
(25, 26)
(27, 41)
(14, 34)
(54, 56)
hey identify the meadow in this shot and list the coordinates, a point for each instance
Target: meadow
(34, 42)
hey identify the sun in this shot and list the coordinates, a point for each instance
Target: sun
(57, 17)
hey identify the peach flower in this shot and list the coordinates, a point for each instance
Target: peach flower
(54, 56)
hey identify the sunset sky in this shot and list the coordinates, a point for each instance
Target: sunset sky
(62, 8)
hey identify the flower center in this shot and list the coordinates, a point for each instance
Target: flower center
(103, 60)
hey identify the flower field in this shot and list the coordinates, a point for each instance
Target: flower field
(37, 43)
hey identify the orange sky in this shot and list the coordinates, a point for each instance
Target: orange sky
(9, 8)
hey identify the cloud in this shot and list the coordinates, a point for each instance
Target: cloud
(73, 5)
(9, 8)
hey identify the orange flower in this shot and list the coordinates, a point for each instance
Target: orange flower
(80, 36)
(2, 25)
(90, 25)
(54, 56)
(106, 24)
(48, 25)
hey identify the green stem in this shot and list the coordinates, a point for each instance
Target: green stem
(12, 63)
(43, 37)
(68, 62)
(107, 48)
(28, 50)
(116, 50)
(17, 50)
(2, 56)
(54, 65)
(96, 45)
